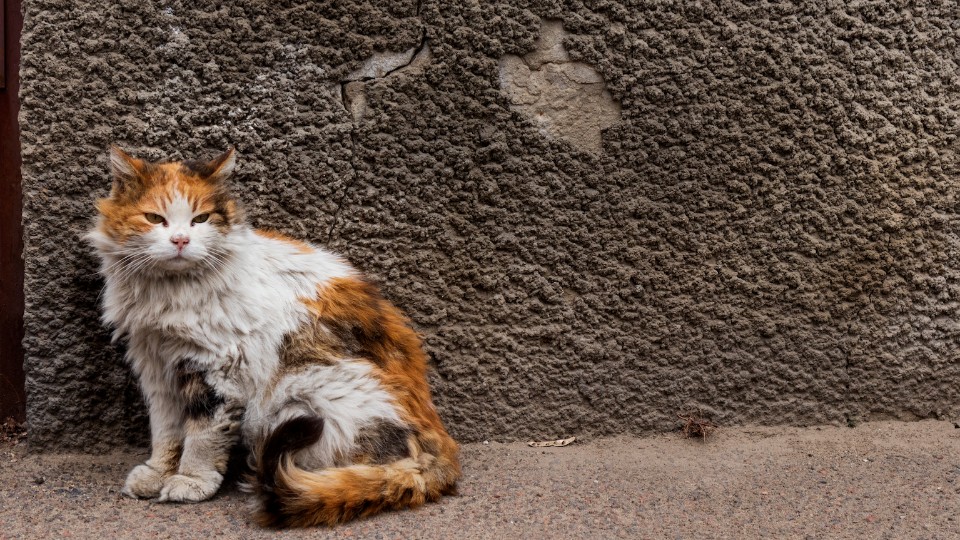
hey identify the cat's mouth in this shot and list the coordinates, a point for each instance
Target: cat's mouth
(179, 261)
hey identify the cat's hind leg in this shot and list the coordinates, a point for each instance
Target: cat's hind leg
(335, 447)
(346, 395)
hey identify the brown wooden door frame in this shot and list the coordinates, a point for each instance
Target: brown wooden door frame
(12, 395)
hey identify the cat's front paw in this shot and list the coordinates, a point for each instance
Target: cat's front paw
(143, 482)
(183, 488)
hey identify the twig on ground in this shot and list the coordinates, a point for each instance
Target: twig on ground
(695, 425)
(11, 431)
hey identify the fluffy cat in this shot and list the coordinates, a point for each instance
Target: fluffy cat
(236, 333)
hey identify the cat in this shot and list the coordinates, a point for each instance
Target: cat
(238, 334)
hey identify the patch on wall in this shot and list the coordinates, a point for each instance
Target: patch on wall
(566, 99)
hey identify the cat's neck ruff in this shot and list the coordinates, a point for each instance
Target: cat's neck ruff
(255, 271)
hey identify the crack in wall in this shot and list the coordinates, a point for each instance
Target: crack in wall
(380, 66)
(353, 97)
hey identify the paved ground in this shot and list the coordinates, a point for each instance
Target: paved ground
(878, 480)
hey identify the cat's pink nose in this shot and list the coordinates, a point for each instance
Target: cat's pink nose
(180, 240)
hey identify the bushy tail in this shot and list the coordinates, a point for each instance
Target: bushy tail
(294, 497)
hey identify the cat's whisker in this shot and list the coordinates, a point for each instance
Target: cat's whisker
(117, 263)
(216, 262)
(134, 266)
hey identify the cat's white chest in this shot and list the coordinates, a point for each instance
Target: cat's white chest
(222, 325)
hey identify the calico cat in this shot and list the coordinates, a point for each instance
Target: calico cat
(237, 333)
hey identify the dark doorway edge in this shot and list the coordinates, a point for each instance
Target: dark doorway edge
(12, 395)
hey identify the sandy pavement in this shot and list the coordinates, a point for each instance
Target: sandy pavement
(878, 480)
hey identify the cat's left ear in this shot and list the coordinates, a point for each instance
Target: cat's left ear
(222, 166)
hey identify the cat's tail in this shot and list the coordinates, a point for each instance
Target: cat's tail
(295, 497)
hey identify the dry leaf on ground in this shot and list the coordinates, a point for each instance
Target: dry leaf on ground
(557, 442)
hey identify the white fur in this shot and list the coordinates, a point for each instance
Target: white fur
(227, 305)
(343, 394)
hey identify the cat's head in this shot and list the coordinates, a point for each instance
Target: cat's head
(166, 217)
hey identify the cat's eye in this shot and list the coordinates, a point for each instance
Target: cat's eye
(156, 219)
(201, 218)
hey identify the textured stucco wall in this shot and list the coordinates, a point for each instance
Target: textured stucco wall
(768, 231)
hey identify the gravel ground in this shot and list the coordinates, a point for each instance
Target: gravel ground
(878, 480)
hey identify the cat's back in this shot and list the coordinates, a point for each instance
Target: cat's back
(296, 261)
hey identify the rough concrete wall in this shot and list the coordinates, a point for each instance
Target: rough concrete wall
(765, 230)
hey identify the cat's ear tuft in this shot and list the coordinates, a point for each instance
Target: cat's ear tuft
(222, 166)
(126, 169)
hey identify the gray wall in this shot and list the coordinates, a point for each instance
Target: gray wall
(748, 210)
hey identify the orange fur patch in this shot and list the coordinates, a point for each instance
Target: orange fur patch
(373, 329)
(152, 187)
(302, 247)
(360, 490)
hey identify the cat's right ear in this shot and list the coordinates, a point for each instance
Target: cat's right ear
(127, 172)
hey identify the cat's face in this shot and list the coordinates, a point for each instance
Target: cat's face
(166, 217)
